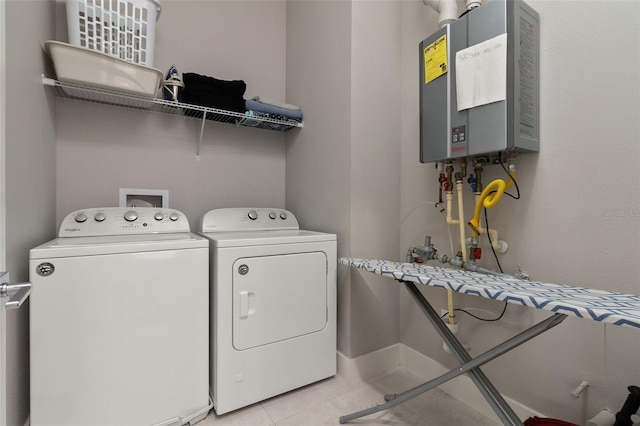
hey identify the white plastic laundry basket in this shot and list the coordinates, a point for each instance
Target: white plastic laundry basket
(122, 28)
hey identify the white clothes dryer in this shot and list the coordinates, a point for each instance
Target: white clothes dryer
(119, 318)
(273, 301)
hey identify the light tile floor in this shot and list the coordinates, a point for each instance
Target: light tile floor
(324, 402)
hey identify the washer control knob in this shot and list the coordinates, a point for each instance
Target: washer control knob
(158, 216)
(80, 217)
(283, 215)
(130, 216)
(100, 217)
(253, 215)
(272, 215)
(174, 216)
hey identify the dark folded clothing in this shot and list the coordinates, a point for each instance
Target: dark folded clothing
(202, 90)
(204, 82)
(214, 93)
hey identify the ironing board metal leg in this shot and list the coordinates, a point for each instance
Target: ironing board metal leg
(467, 364)
(504, 412)
(482, 359)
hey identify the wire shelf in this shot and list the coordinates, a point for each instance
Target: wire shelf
(85, 93)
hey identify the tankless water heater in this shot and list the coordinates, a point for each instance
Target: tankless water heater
(479, 84)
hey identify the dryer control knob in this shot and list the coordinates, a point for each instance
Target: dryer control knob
(283, 216)
(174, 216)
(253, 215)
(130, 216)
(158, 216)
(80, 217)
(100, 217)
(272, 215)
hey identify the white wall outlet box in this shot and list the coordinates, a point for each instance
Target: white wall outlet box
(131, 197)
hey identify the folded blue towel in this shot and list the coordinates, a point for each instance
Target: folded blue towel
(271, 109)
(250, 121)
(253, 119)
(275, 103)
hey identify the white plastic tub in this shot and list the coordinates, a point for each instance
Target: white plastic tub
(79, 65)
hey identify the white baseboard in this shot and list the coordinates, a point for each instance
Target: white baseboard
(371, 365)
(386, 360)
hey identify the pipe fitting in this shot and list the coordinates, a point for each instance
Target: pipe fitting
(463, 167)
(472, 4)
(471, 180)
(444, 185)
(478, 170)
(409, 257)
(449, 207)
(424, 252)
(449, 171)
(578, 390)
(603, 418)
(448, 10)
(475, 252)
(468, 266)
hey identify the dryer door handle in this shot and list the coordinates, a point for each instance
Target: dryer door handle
(247, 303)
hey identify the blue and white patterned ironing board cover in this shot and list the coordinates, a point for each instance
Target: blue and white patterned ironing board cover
(597, 305)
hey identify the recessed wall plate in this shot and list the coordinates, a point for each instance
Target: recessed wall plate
(132, 197)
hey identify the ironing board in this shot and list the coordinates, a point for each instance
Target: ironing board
(598, 305)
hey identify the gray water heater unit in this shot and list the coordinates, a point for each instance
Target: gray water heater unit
(479, 84)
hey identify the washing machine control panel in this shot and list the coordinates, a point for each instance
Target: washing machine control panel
(123, 221)
(248, 219)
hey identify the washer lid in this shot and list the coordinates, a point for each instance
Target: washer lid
(111, 244)
(258, 238)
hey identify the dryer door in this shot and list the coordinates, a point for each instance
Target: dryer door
(278, 297)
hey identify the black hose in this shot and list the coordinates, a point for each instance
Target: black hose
(630, 407)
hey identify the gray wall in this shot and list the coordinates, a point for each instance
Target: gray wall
(567, 227)
(375, 169)
(30, 175)
(343, 167)
(318, 157)
(101, 149)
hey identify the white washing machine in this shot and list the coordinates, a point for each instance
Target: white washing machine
(273, 318)
(119, 317)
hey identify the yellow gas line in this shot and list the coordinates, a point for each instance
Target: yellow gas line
(489, 200)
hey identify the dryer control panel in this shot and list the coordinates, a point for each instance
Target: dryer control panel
(122, 221)
(248, 219)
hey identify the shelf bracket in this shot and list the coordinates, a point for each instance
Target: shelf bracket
(199, 143)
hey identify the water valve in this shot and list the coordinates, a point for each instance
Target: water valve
(475, 253)
(472, 180)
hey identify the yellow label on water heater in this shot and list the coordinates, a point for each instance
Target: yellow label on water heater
(435, 59)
